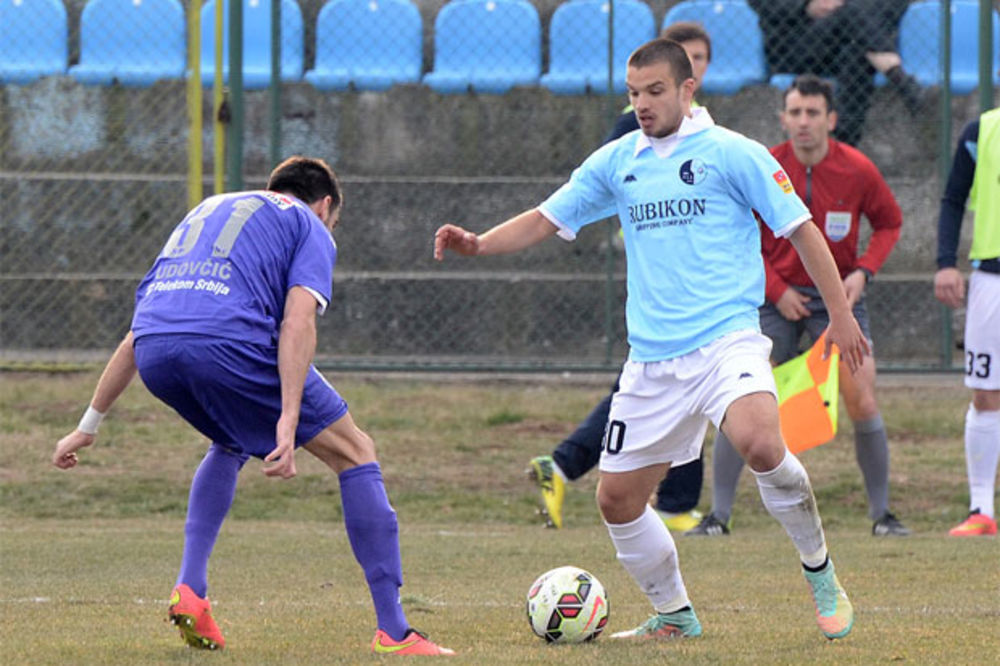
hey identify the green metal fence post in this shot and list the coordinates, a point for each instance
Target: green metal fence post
(609, 261)
(986, 47)
(234, 131)
(944, 154)
(274, 90)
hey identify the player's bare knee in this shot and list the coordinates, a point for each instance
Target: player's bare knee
(762, 449)
(617, 503)
(864, 408)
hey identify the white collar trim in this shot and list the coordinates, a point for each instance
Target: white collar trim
(698, 121)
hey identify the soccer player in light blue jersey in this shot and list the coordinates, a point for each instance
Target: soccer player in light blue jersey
(224, 332)
(684, 192)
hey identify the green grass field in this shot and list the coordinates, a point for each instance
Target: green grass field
(88, 557)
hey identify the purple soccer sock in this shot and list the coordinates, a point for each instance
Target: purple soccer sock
(374, 536)
(212, 491)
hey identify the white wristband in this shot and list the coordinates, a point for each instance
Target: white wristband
(91, 419)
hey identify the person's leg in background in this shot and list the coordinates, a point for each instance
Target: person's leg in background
(678, 494)
(572, 458)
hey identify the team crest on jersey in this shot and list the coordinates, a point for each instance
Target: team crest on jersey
(279, 200)
(693, 171)
(781, 178)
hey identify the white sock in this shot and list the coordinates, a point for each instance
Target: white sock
(647, 551)
(556, 469)
(789, 498)
(982, 451)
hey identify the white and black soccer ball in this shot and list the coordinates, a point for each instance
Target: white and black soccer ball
(567, 605)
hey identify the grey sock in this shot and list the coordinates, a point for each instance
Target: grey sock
(871, 447)
(726, 467)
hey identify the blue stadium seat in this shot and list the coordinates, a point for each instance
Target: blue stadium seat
(32, 39)
(486, 46)
(578, 44)
(920, 46)
(131, 42)
(367, 45)
(737, 42)
(256, 42)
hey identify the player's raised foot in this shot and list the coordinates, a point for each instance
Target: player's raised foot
(413, 643)
(710, 525)
(889, 525)
(680, 522)
(542, 471)
(679, 624)
(977, 524)
(193, 616)
(834, 612)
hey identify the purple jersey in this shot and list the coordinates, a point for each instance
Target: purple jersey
(227, 267)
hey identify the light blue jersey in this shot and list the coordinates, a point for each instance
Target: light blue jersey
(692, 243)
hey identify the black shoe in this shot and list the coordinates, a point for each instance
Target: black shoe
(709, 526)
(889, 525)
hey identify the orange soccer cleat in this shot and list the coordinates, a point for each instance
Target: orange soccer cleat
(193, 616)
(414, 643)
(977, 524)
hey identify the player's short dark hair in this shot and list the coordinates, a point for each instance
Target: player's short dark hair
(810, 84)
(307, 178)
(663, 50)
(688, 31)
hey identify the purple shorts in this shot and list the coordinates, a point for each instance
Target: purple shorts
(230, 391)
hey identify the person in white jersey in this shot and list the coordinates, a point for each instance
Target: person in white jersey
(685, 192)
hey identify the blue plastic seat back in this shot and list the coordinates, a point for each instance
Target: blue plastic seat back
(578, 44)
(133, 42)
(486, 46)
(367, 44)
(32, 39)
(256, 42)
(920, 44)
(737, 42)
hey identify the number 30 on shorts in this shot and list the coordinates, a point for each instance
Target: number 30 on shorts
(614, 437)
(977, 364)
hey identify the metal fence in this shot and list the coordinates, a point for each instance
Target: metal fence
(467, 111)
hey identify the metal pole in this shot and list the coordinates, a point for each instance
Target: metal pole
(234, 144)
(194, 106)
(274, 90)
(986, 61)
(944, 153)
(609, 262)
(218, 102)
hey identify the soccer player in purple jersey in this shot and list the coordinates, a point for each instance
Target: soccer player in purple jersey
(224, 332)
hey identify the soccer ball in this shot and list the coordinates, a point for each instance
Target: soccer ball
(567, 605)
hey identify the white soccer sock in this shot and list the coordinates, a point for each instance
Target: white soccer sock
(788, 497)
(982, 452)
(556, 469)
(647, 551)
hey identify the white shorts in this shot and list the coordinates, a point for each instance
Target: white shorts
(661, 410)
(982, 332)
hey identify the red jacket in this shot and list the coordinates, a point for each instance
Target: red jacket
(837, 191)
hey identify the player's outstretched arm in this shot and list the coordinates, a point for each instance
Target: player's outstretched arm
(843, 330)
(517, 233)
(117, 375)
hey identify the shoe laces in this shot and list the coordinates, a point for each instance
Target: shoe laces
(657, 622)
(825, 590)
(545, 474)
(890, 520)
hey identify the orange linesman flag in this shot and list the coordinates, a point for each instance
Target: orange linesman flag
(808, 388)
